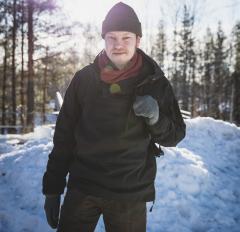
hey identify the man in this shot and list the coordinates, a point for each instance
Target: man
(114, 111)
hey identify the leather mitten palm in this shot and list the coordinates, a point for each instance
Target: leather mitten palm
(51, 206)
(146, 106)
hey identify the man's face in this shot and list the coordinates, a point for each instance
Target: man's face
(120, 47)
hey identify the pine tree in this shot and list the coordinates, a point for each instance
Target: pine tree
(159, 48)
(187, 60)
(220, 75)
(207, 77)
(175, 73)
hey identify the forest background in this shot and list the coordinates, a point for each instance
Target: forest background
(44, 42)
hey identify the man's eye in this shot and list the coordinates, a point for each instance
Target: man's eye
(125, 38)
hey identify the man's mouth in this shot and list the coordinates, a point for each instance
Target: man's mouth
(118, 53)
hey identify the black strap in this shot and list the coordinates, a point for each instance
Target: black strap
(152, 206)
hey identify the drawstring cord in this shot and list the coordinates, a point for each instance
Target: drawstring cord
(152, 206)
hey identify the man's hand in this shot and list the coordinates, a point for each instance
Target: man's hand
(51, 206)
(147, 106)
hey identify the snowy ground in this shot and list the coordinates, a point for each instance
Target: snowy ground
(197, 183)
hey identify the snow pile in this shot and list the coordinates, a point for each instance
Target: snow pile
(197, 183)
(21, 172)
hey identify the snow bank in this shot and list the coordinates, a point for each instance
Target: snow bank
(197, 183)
(21, 170)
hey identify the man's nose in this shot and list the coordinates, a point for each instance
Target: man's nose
(118, 44)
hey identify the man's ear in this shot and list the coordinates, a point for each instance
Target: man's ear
(138, 41)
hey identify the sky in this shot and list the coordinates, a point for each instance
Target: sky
(208, 12)
(197, 182)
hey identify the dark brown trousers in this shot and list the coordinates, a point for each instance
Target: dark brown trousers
(81, 212)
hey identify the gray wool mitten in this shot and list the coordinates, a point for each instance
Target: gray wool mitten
(146, 106)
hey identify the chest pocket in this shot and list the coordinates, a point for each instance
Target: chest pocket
(107, 112)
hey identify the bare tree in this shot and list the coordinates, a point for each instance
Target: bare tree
(5, 31)
(33, 6)
(235, 113)
(14, 31)
(22, 79)
(90, 38)
(30, 82)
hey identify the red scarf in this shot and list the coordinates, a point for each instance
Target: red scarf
(110, 75)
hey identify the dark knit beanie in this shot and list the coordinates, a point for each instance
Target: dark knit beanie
(121, 17)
